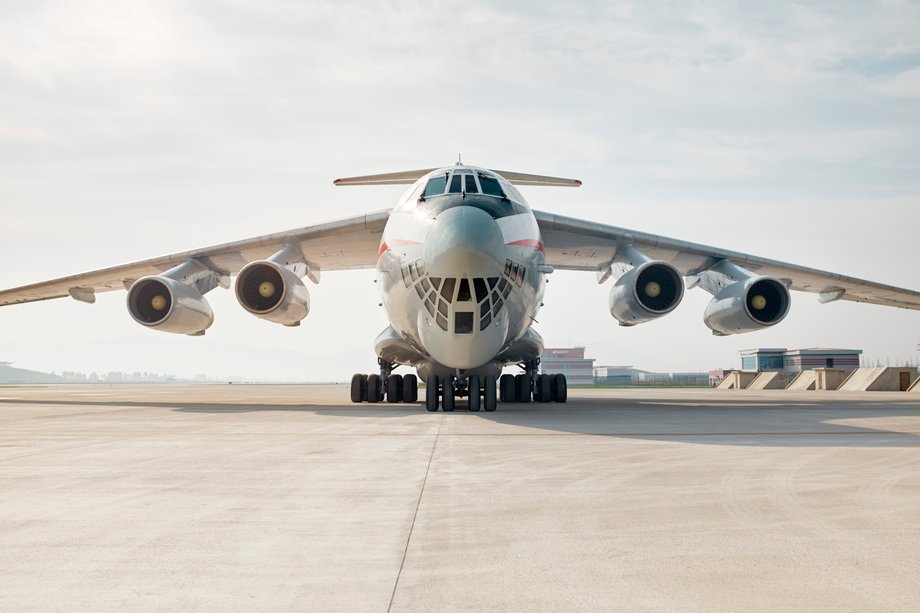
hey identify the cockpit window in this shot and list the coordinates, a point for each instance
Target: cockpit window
(463, 294)
(490, 186)
(456, 183)
(471, 185)
(435, 186)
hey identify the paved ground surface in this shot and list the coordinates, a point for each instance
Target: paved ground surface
(251, 498)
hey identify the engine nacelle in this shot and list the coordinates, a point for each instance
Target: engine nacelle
(746, 306)
(168, 305)
(271, 291)
(646, 292)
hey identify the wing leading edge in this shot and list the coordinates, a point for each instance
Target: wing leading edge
(343, 244)
(576, 244)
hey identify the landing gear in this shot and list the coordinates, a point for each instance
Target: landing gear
(431, 393)
(449, 388)
(373, 387)
(409, 388)
(394, 388)
(488, 394)
(542, 391)
(474, 398)
(359, 388)
(560, 388)
(480, 391)
(529, 384)
(447, 395)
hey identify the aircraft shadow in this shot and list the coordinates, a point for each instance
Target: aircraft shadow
(733, 421)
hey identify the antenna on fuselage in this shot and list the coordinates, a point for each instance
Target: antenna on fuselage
(459, 160)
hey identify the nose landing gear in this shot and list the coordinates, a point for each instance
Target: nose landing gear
(449, 388)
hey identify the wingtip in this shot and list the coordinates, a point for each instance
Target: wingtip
(577, 182)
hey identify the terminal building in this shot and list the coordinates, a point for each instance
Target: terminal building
(569, 361)
(797, 360)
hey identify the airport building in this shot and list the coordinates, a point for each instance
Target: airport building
(627, 375)
(569, 361)
(797, 360)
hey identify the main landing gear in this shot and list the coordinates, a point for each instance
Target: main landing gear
(542, 388)
(373, 388)
(480, 392)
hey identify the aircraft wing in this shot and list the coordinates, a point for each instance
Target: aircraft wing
(337, 245)
(576, 244)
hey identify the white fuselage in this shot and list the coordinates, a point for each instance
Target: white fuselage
(461, 274)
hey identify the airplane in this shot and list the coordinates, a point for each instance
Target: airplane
(462, 263)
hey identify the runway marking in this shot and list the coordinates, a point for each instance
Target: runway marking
(418, 503)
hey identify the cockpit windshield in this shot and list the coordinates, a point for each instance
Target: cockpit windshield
(436, 186)
(464, 181)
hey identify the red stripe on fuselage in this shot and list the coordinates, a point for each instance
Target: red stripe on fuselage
(528, 242)
(396, 242)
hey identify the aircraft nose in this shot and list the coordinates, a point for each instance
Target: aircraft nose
(464, 241)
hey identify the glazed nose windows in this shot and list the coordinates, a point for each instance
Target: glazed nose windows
(464, 302)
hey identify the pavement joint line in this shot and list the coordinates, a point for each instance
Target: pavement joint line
(418, 504)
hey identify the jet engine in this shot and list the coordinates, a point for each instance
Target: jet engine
(646, 292)
(748, 305)
(273, 292)
(168, 305)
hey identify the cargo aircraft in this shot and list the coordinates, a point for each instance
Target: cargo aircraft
(462, 263)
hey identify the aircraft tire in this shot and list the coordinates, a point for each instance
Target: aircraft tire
(447, 395)
(489, 401)
(373, 388)
(507, 388)
(410, 389)
(474, 397)
(543, 392)
(522, 388)
(358, 388)
(562, 388)
(394, 388)
(431, 393)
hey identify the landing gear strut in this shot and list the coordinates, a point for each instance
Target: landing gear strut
(373, 387)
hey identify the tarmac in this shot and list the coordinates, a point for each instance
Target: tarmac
(289, 498)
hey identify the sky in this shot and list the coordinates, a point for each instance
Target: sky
(133, 129)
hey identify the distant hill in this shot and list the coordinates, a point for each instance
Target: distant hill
(8, 374)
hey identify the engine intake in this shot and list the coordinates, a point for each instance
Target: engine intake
(646, 292)
(746, 306)
(168, 305)
(270, 291)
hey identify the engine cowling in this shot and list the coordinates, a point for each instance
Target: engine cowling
(746, 306)
(168, 305)
(646, 292)
(271, 291)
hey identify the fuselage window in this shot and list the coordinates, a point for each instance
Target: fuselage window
(471, 185)
(490, 186)
(447, 290)
(520, 276)
(463, 294)
(480, 286)
(435, 186)
(456, 184)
